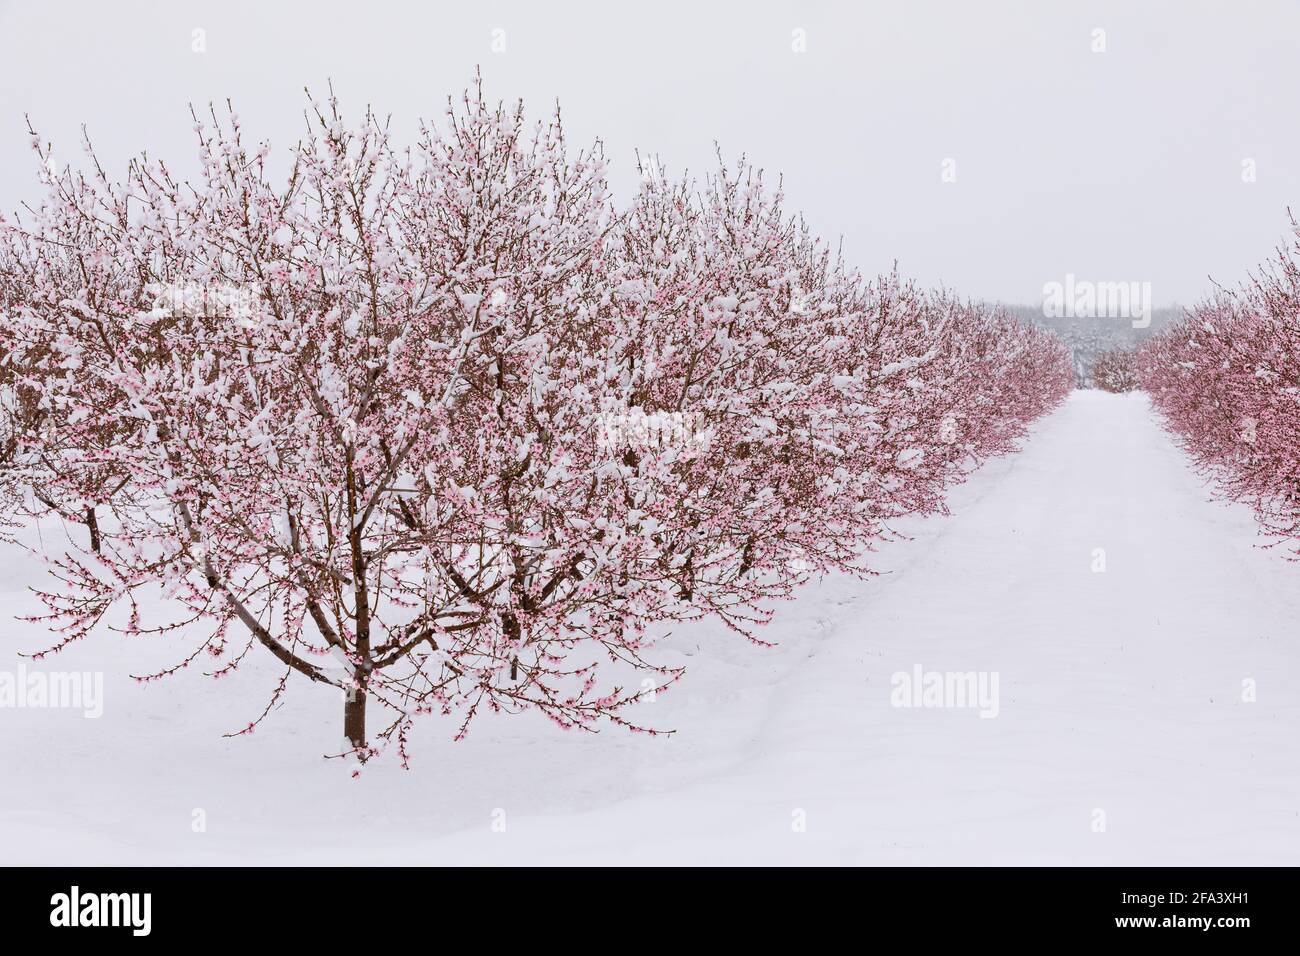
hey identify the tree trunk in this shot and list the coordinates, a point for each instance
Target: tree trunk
(354, 719)
(510, 627)
(93, 524)
(354, 708)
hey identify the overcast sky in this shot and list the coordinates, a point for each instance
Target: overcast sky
(1118, 165)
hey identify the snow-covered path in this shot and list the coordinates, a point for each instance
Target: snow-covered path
(1121, 734)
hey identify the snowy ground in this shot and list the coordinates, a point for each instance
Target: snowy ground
(1119, 692)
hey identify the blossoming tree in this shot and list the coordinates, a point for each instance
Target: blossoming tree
(444, 431)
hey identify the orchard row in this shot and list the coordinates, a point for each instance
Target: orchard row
(1227, 380)
(384, 411)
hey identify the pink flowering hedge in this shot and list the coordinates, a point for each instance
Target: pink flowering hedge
(1116, 370)
(1227, 381)
(446, 430)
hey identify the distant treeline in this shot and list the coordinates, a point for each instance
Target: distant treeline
(1088, 338)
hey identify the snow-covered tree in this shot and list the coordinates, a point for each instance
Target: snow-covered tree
(1115, 370)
